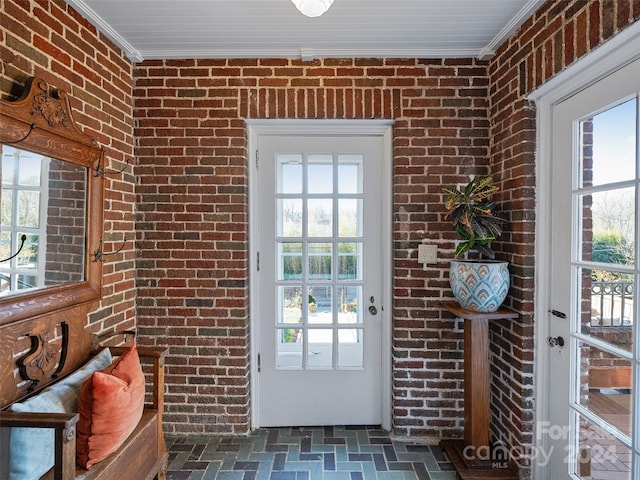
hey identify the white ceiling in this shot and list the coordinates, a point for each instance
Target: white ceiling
(158, 29)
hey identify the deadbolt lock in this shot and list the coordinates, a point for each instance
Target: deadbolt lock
(555, 341)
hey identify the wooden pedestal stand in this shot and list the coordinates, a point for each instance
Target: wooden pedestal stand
(464, 453)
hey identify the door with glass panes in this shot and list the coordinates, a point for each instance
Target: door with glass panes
(593, 315)
(319, 280)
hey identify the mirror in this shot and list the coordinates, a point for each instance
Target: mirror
(50, 206)
(42, 221)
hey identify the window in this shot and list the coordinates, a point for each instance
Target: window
(23, 207)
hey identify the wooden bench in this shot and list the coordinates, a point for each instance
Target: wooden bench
(53, 351)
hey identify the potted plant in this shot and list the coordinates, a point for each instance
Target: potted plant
(482, 284)
(313, 306)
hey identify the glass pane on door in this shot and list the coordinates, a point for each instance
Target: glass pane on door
(608, 145)
(319, 247)
(607, 302)
(607, 226)
(607, 386)
(289, 348)
(600, 455)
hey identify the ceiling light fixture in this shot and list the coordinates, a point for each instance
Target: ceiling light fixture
(312, 8)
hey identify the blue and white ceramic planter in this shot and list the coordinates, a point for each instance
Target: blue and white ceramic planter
(480, 286)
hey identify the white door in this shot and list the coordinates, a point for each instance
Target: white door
(593, 316)
(319, 309)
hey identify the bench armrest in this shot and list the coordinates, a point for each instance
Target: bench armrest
(157, 356)
(38, 419)
(64, 426)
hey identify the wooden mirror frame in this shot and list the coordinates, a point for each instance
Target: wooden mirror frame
(40, 121)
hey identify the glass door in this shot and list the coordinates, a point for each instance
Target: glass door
(595, 273)
(319, 280)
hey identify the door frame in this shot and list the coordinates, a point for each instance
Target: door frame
(612, 55)
(292, 127)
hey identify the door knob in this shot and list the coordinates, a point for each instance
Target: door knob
(373, 310)
(555, 341)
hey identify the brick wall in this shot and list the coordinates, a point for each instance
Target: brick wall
(192, 221)
(49, 39)
(559, 33)
(66, 217)
(452, 120)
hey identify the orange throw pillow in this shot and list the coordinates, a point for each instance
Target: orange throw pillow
(110, 406)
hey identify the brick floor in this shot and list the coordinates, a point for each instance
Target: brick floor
(307, 453)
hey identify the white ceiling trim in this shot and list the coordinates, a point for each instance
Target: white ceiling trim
(310, 54)
(299, 51)
(102, 26)
(525, 12)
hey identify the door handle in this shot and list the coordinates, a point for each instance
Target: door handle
(558, 314)
(372, 308)
(555, 341)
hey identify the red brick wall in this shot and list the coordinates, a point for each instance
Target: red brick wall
(66, 219)
(559, 33)
(49, 39)
(192, 222)
(192, 194)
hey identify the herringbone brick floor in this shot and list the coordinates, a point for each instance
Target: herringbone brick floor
(308, 453)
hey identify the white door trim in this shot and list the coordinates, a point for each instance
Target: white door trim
(288, 127)
(614, 54)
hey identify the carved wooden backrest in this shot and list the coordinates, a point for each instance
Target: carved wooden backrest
(36, 352)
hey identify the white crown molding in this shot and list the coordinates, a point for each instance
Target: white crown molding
(309, 54)
(152, 53)
(97, 21)
(518, 19)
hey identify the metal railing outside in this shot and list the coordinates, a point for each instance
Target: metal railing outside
(611, 304)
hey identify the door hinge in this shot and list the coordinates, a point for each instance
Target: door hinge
(259, 363)
(257, 160)
(258, 261)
